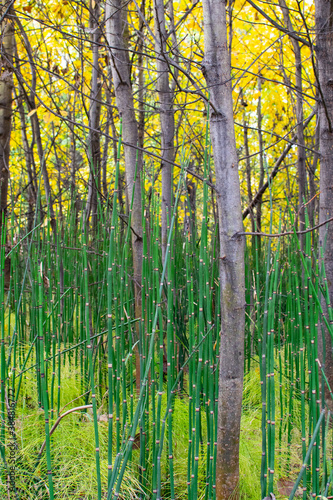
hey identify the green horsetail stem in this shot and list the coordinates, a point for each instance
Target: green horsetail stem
(186, 330)
(171, 396)
(124, 455)
(170, 359)
(43, 375)
(307, 456)
(110, 274)
(263, 365)
(271, 367)
(3, 353)
(90, 362)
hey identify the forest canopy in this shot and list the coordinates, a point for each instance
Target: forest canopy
(53, 61)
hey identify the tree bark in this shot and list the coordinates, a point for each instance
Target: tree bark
(141, 81)
(301, 168)
(94, 146)
(32, 191)
(104, 161)
(6, 87)
(216, 69)
(116, 25)
(313, 205)
(248, 168)
(324, 50)
(261, 166)
(31, 105)
(166, 116)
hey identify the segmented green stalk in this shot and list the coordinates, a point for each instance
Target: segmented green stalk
(43, 375)
(90, 361)
(110, 300)
(124, 455)
(3, 353)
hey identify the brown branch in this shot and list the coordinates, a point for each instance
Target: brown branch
(57, 422)
(68, 121)
(6, 11)
(287, 233)
(183, 18)
(275, 170)
(278, 26)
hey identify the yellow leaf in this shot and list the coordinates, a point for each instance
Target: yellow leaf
(48, 117)
(32, 112)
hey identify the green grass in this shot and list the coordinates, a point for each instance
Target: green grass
(73, 455)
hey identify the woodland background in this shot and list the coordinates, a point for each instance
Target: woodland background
(113, 214)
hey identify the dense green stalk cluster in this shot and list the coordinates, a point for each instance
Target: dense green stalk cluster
(69, 312)
(288, 339)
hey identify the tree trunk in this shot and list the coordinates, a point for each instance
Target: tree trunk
(261, 166)
(166, 117)
(116, 25)
(313, 205)
(6, 86)
(75, 165)
(141, 78)
(31, 105)
(324, 50)
(32, 191)
(301, 168)
(248, 169)
(104, 161)
(216, 68)
(274, 171)
(94, 147)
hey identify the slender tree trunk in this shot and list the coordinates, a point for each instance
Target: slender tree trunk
(261, 165)
(58, 167)
(141, 90)
(274, 171)
(174, 47)
(76, 161)
(313, 205)
(31, 105)
(6, 86)
(94, 147)
(249, 195)
(105, 156)
(248, 168)
(46, 180)
(116, 26)
(121, 181)
(32, 191)
(166, 117)
(324, 51)
(189, 222)
(301, 168)
(216, 68)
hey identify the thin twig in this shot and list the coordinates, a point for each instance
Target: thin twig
(288, 233)
(57, 422)
(275, 170)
